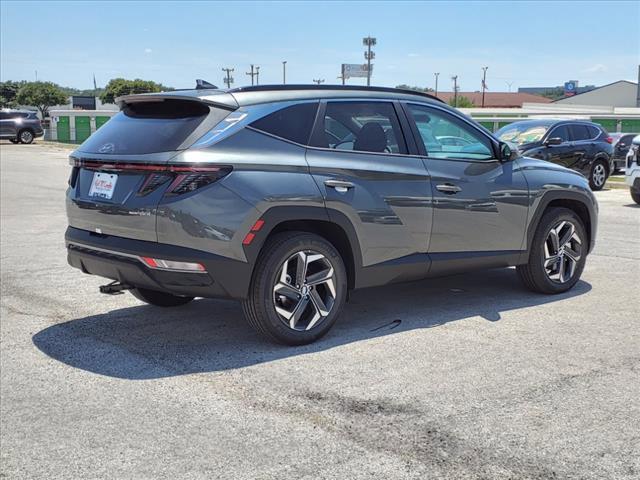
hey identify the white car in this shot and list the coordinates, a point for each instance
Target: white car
(632, 175)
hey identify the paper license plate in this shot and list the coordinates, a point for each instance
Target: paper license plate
(103, 185)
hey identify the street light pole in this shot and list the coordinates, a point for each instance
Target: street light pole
(484, 82)
(284, 72)
(437, 74)
(369, 55)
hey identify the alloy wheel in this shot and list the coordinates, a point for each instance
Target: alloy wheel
(305, 290)
(599, 175)
(562, 252)
(26, 137)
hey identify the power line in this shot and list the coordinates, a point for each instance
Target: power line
(228, 78)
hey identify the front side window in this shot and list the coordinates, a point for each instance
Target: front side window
(445, 136)
(561, 132)
(292, 123)
(362, 127)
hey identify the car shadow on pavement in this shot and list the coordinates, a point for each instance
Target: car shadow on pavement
(146, 342)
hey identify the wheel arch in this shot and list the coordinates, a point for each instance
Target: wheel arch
(333, 226)
(573, 201)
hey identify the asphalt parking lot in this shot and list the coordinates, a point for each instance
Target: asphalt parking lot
(469, 376)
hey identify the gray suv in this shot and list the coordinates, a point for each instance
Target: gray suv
(287, 197)
(20, 126)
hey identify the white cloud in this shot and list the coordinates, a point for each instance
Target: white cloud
(597, 68)
(147, 50)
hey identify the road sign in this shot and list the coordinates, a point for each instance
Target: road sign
(351, 70)
(570, 88)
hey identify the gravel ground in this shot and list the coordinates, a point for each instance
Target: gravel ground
(468, 376)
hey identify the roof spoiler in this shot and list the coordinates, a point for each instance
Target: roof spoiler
(218, 98)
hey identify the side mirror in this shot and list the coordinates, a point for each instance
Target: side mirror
(506, 153)
(553, 141)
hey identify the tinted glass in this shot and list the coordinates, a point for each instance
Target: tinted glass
(580, 132)
(149, 127)
(593, 131)
(4, 115)
(293, 123)
(445, 136)
(362, 126)
(561, 132)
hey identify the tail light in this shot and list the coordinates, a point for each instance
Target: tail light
(609, 140)
(183, 178)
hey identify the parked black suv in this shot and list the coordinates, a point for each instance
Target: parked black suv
(20, 126)
(580, 145)
(286, 197)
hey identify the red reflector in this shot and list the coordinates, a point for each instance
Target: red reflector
(249, 238)
(257, 226)
(150, 261)
(609, 140)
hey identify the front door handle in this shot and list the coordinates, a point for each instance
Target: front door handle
(340, 186)
(448, 188)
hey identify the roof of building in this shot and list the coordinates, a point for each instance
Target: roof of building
(595, 90)
(497, 99)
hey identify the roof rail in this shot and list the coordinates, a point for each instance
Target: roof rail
(267, 88)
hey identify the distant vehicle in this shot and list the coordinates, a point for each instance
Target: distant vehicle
(288, 196)
(20, 126)
(632, 173)
(580, 145)
(621, 144)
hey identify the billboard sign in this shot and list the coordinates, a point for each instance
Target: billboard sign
(570, 88)
(350, 70)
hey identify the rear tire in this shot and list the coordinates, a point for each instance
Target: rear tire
(635, 196)
(556, 269)
(159, 299)
(298, 289)
(26, 136)
(598, 175)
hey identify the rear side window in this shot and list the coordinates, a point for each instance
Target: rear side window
(580, 132)
(292, 123)
(151, 127)
(362, 127)
(593, 131)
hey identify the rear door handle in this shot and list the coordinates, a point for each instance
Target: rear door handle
(448, 188)
(339, 185)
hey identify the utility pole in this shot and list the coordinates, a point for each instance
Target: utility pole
(509, 85)
(455, 90)
(257, 75)
(437, 74)
(252, 73)
(284, 72)
(369, 55)
(484, 83)
(228, 78)
(318, 81)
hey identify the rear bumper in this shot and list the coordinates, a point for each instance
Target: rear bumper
(117, 258)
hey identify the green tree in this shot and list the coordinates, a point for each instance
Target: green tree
(404, 86)
(463, 102)
(121, 86)
(8, 92)
(41, 95)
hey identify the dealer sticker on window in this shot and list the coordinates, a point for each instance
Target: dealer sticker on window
(103, 185)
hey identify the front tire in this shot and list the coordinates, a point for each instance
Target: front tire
(159, 299)
(558, 253)
(26, 136)
(636, 196)
(298, 289)
(598, 175)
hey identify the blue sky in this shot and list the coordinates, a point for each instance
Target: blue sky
(527, 44)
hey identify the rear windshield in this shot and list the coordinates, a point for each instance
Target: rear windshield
(151, 127)
(522, 133)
